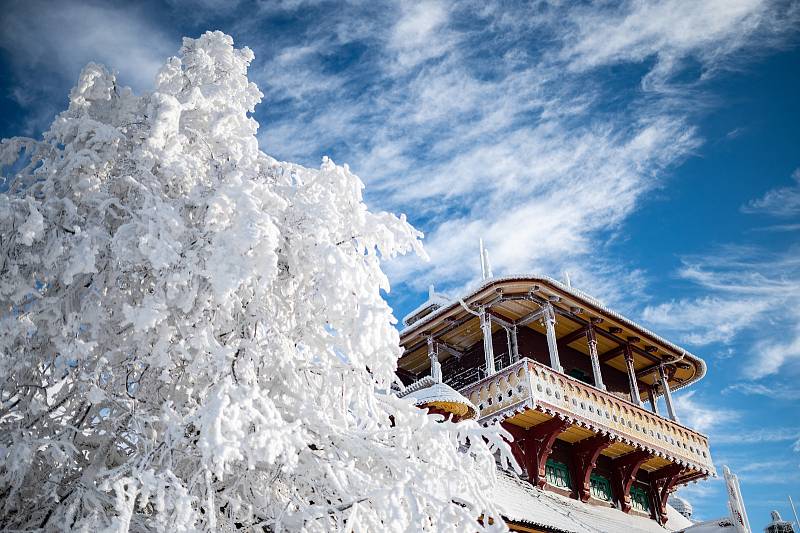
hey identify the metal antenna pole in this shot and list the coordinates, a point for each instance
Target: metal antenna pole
(796, 521)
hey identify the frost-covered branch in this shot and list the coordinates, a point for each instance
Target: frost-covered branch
(185, 341)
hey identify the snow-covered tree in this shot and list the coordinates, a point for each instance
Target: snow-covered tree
(192, 334)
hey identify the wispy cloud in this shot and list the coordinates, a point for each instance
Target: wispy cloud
(497, 123)
(761, 435)
(702, 415)
(780, 202)
(49, 43)
(749, 291)
(672, 31)
(775, 390)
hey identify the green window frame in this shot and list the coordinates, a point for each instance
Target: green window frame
(580, 375)
(600, 487)
(557, 474)
(639, 499)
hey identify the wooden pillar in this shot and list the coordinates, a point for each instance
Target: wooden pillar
(651, 395)
(623, 472)
(667, 394)
(514, 348)
(662, 483)
(433, 355)
(592, 341)
(536, 444)
(552, 341)
(584, 459)
(632, 382)
(488, 348)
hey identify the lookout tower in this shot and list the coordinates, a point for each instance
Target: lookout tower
(576, 384)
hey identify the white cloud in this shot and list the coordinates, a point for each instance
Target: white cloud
(420, 34)
(472, 122)
(672, 30)
(702, 415)
(49, 43)
(780, 202)
(708, 319)
(748, 292)
(756, 436)
(775, 390)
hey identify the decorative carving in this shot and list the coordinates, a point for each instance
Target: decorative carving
(584, 459)
(536, 443)
(622, 475)
(662, 483)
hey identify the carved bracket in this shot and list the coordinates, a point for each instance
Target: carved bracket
(536, 444)
(622, 475)
(584, 459)
(662, 482)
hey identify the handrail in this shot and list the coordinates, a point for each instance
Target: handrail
(539, 386)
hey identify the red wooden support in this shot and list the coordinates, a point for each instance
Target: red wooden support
(584, 459)
(662, 483)
(536, 444)
(622, 475)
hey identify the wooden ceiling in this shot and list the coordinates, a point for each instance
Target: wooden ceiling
(514, 299)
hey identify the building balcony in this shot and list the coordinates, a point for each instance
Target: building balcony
(528, 393)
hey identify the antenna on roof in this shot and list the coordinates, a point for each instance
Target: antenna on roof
(486, 267)
(431, 291)
(567, 281)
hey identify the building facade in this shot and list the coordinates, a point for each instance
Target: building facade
(576, 385)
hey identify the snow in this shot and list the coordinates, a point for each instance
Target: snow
(207, 344)
(523, 503)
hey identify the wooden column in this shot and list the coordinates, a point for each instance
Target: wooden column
(651, 395)
(634, 386)
(584, 459)
(667, 394)
(514, 348)
(433, 355)
(536, 444)
(552, 341)
(488, 348)
(592, 341)
(623, 472)
(662, 483)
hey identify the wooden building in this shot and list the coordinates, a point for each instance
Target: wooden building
(575, 383)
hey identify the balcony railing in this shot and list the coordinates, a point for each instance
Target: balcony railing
(531, 385)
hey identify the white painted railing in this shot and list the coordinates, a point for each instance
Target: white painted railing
(531, 385)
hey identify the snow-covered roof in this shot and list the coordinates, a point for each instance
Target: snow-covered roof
(435, 301)
(571, 291)
(720, 525)
(681, 505)
(522, 503)
(427, 392)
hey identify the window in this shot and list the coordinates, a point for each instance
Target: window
(557, 474)
(577, 373)
(639, 500)
(600, 488)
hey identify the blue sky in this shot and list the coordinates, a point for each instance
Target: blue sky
(650, 150)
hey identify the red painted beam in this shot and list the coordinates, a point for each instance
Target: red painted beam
(536, 444)
(662, 482)
(623, 472)
(584, 459)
